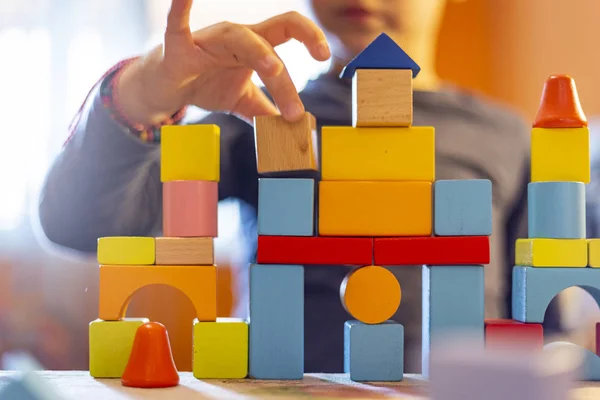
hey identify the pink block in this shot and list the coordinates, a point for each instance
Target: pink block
(190, 208)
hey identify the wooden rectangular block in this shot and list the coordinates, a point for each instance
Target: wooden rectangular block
(190, 153)
(453, 303)
(593, 253)
(462, 207)
(551, 252)
(185, 251)
(110, 344)
(354, 208)
(382, 97)
(126, 250)
(282, 146)
(190, 208)
(374, 352)
(513, 335)
(314, 250)
(378, 154)
(560, 154)
(276, 322)
(221, 349)
(556, 210)
(442, 250)
(286, 206)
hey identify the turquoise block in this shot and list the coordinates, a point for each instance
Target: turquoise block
(286, 207)
(533, 288)
(556, 210)
(276, 322)
(453, 303)
(462, 207)
(374, 352)
(590, 367)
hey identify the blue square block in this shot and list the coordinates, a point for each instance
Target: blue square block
(286, 206)
(462, 207)
(556, 210)
(374, 352)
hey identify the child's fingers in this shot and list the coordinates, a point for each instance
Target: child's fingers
(178, 20)
(254, 102)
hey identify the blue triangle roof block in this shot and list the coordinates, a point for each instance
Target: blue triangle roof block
(381, 53)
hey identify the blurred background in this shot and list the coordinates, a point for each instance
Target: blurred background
(53, 51)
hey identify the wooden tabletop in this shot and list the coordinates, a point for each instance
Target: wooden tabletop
(80, 385)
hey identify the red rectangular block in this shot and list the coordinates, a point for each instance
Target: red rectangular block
(306, 250)
(508, 333)
(446, 250)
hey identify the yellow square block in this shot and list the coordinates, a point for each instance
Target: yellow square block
(551, 252)
(355, 208)
(593, 253)
(126, 250)
(190, 153)
(560, 154)
(110, 345)
(378, 154)
(220, 349)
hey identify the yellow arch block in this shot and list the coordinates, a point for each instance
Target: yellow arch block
(126, 250)
(540, 252)
(118, 283)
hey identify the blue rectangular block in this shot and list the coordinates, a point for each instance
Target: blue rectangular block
(374, 352)
(286, 207)
(276, 322)
(556, 210)
(453, 303)
(462, 207)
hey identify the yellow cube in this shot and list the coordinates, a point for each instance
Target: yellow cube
(594, 253)
(110, 345)
(126, 250)
(220, 349)
(378, 154)
(560, 154)
(551, 252)
(190, 153)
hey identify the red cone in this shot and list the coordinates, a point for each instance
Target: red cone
(559, 107)
(151, 362)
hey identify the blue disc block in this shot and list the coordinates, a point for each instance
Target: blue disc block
(556, 210)
(286, 206)
(462, 207)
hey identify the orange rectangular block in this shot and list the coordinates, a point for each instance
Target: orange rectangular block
(190, 208)
(365, 208)
(184, 251)
(118, 284)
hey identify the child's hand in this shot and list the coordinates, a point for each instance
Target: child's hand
(212, 68)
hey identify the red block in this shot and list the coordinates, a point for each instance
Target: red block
(318, 250)
(438, 250)
(508, 333)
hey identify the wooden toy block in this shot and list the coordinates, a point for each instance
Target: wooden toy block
(221, 349)
(283, 146)
(453, 304)
(374, 352)
(593, 253)
(382, 97)
(126, 250)
(462, 207)
(118, 284)
(277, 322)
(551, 252)
(589, 370)
(286, 206)
(110, 345)
(556, 210)
(378, 154)
(534, 288)
(29, 386)
(371, 294)
(314, 250)
(190, 208)
(559, 106)
(513, 335)
(185, 251)
(190, 153)
(560, 154)
(354, 208)
(381, 53)
(441, 250)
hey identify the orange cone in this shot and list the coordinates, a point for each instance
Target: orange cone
(560, 107)
(151, 362)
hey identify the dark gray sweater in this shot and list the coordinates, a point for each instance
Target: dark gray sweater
(106, 182)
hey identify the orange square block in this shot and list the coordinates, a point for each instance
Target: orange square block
(190, 208)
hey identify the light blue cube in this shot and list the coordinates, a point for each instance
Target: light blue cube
(462, 207)
(286, 207)
(556, 210)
